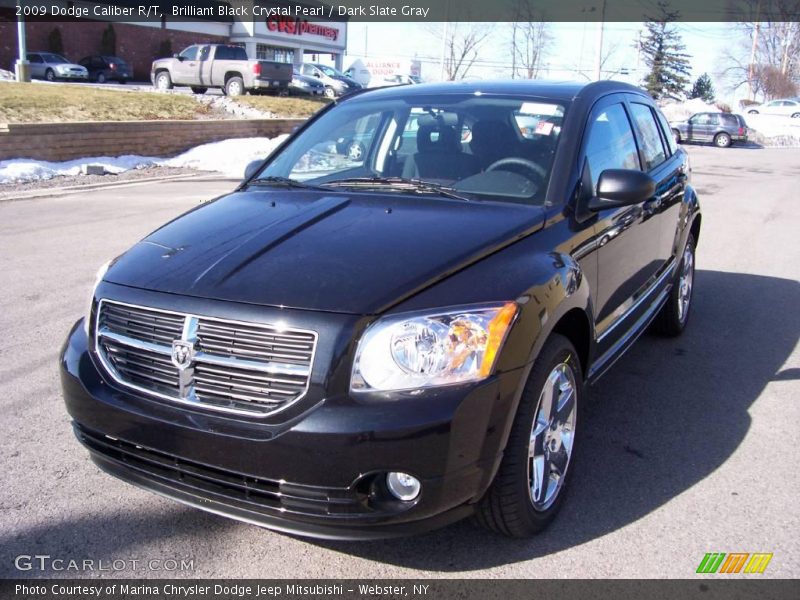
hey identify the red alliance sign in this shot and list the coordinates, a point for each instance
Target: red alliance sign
(297, 26)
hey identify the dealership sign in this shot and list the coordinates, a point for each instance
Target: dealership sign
(298, 26)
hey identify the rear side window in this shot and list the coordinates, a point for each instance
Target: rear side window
(652, 148)
(610, 143)
(667, 132)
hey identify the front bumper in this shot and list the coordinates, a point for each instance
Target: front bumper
(76, 76)
(317, 473)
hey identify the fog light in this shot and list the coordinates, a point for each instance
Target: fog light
(403, 486)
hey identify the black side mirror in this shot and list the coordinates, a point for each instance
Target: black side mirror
(622, 187)
(250, 169)
(178, 56)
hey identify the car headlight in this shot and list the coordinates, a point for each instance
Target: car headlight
(407, 352)
(101, 272)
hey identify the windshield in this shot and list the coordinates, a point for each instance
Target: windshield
(484, 147)
(53, 58)
(330, 71)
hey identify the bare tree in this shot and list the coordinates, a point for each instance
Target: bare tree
(766, 58)
(461, 48)
(530, 37)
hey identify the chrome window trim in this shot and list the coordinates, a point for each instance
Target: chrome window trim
(203, 357)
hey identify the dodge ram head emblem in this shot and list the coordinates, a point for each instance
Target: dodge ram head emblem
(182, 353)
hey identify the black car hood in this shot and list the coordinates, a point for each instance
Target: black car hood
(350, 253)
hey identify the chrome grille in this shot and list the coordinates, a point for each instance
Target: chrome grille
(216, 363)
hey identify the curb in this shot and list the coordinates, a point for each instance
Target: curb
(76, 189)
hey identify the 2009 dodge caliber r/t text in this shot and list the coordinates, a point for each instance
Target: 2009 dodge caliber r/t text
(390, 324)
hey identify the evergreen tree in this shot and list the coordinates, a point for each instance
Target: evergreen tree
(108, 43)
(703, 89)
(54, 42)
(664, 54)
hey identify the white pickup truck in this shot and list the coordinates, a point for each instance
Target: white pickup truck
(222, 66)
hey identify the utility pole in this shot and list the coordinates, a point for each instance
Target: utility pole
(22, 66)
(751, 67)
(598, 61)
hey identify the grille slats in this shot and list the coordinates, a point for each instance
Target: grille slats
(241, 367)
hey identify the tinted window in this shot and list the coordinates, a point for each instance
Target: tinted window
(610, 143)
(667, 131)
(114, 59)
(34, 58)
(230, 53)
(652, 148)
(190, 53)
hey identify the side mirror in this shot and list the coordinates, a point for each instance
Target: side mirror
(622, 187)
(250, 169)
(178, 56)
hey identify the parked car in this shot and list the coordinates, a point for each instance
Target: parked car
(338, 349)
(722, 129)
(107, 68)
(336, 83)
(303, 85)
(52, 67)
(398, 79)
(222, 66)
(789, 107)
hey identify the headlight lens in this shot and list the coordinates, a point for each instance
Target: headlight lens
(101, 272)
(419, 351)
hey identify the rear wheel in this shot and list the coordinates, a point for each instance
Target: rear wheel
(101, 78)
(722, 140)
(752, 112)
(234, 86)
(674, 315)
(531, 482)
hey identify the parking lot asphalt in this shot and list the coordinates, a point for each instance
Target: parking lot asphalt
(691, 444)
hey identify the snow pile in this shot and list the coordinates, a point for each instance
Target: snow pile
(7, 75)
(229, 157)
(767, 130)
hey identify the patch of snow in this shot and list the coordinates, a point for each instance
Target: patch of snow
(229, 157)
(7, 75)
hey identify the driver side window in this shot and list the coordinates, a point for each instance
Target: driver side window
(610, 144)
(189, 53)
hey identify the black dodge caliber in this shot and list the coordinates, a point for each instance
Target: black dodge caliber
(366, 344)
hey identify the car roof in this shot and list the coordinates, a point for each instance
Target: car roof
(564, 91)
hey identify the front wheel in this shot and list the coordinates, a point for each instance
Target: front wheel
(330, 92)
(101, 78)
(674, 315)
(676, 135)
(530, 484)
(163, 81)
(50, 75)
(722, 140)
(796, 115)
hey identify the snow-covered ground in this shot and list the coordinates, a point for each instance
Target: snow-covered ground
(229, 157)
(768, 130)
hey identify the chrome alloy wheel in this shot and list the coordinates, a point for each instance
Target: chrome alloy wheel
(685, 282)
(552, 437)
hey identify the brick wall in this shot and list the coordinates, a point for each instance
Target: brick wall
(67, 141)
(138, 45)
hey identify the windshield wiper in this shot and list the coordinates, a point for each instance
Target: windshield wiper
(282, 181)
(398, 183)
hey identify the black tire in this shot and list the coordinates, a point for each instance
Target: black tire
(752, 112)
(796, 115)
(507, 507)
(50, 75)
(199, 90)
(676, 136)
(101, 78)
(672, 319)
(234, 87)
(122, 82)
(722, 140)
(163, 80)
